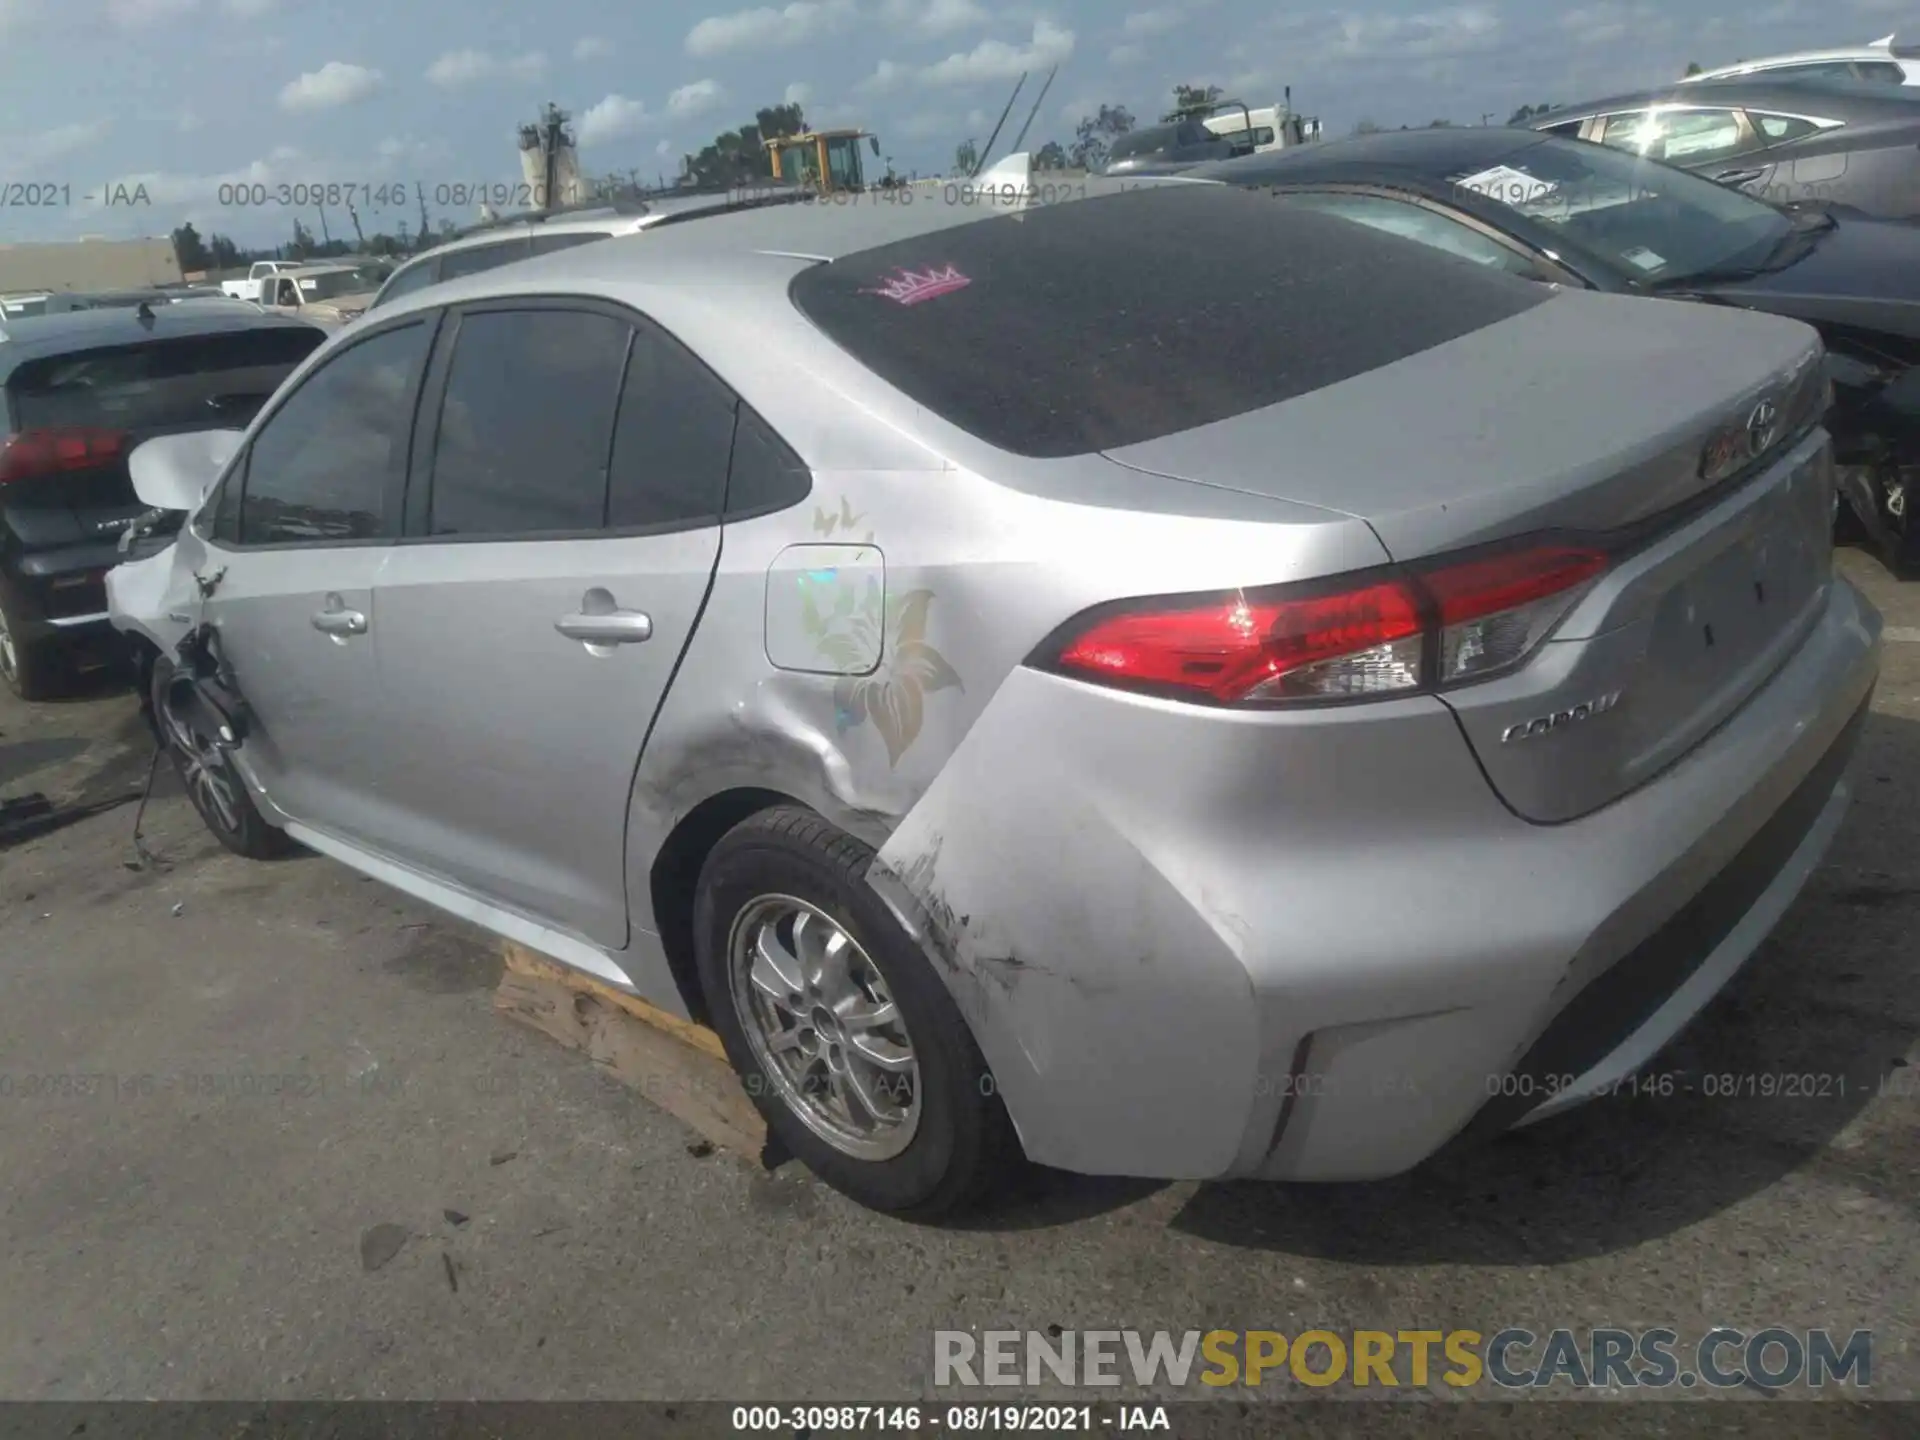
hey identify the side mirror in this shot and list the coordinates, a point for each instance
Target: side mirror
(874, 141)
(174, 472)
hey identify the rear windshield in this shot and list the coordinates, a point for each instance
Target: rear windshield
(160, 383)
(1107, 322)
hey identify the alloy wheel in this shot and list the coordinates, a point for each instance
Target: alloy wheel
(9, 654)
(821, 1020)
(203, 769)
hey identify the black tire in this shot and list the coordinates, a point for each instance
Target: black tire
(247, 833)
(964, 1142)
(30, 669)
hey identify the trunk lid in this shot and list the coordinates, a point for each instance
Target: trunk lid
(1589, 414)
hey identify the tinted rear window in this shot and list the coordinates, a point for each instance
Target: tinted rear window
(1107, 322)
(160, 383)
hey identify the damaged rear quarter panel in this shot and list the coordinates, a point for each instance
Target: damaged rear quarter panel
(975, 575)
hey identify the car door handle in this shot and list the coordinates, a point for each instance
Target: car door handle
(340, 622)
(616, 627)
(1738, 177)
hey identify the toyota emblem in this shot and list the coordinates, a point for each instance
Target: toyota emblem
(1763, 427)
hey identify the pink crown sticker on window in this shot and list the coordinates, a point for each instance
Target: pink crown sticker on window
(910, 287)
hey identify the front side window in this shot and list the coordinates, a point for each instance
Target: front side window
(526, 428)
(328, 462)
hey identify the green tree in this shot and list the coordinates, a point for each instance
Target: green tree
(303, 244)
(1050, 156)
(222, 253)
(188, 246)
(1439, 124)
(1693, 67)
(1095, 134)
(1192, 102)
(966, 158)
(1529, 112)
(739, 157)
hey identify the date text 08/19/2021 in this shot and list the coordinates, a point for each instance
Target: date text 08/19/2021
(958, 1419)
(1900, 1082)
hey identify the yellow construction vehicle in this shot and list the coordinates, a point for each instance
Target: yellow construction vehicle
(828, 160)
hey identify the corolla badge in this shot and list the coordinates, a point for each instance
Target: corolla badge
(1763, 428)
(1560, 719)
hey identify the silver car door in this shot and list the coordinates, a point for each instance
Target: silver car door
(305, 517)
(563, 525)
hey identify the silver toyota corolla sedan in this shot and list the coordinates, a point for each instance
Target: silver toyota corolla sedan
(1044, 681)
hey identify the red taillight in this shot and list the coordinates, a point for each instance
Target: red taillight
(1407, 631)
(50, 452)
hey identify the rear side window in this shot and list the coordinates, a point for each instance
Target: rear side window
(1882, 72)
(328, 462)
(1076, 328)
(766, 474)
(476, 258)
(182, 380)
(547, 244)
(1782, 127)
(676, 432)
(408, 280)
(526, 429)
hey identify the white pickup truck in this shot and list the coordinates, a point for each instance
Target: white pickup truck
(263, 270)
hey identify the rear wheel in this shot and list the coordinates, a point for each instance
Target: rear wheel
(30, 669)
(848, 1042)
(213, 783)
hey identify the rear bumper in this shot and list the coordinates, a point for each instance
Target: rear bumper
(63, 591)
(1319, 947)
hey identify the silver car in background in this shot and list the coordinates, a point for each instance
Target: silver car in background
(1335, 703)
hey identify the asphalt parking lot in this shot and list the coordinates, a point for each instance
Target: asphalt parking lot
(269, 1063)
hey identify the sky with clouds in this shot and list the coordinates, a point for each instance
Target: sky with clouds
(180, 96)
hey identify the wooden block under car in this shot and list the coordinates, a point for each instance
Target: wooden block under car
(678, 1065)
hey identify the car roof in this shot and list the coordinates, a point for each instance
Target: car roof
(1860, 100)
(1879, 52)
(34, 336)
(746, 247)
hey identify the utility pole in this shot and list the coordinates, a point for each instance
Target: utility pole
(359, 235)
(323, 224)
(1015, 147)
(1486, 118)
(426, 226)
(980, 159)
